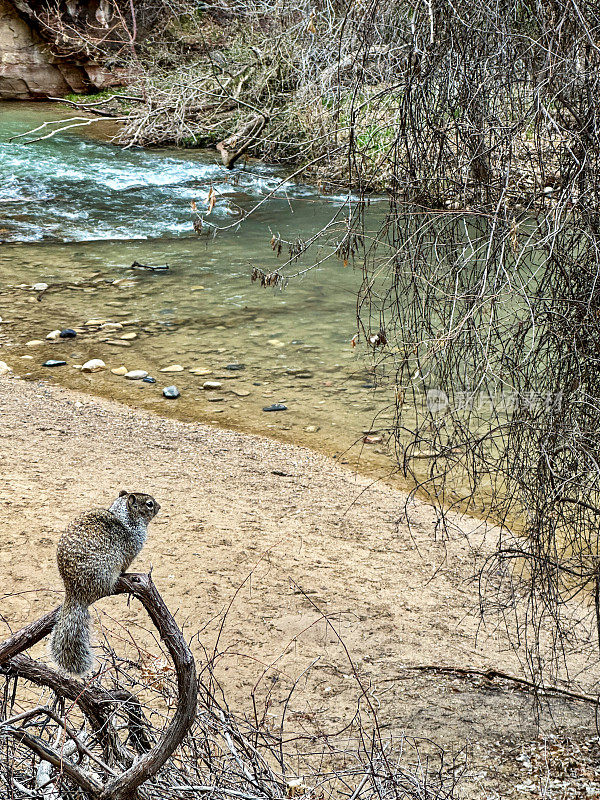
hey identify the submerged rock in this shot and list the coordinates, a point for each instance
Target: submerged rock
(52, 362)
(171, 392)
(275, 407)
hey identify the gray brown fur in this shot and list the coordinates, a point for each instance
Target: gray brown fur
(94, 550)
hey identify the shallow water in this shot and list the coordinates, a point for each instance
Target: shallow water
(76, 212)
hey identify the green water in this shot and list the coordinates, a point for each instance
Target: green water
(75, 212)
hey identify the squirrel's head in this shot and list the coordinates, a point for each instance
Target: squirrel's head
(140, 505)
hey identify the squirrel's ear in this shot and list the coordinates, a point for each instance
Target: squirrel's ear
(131, 500)
(123, 492)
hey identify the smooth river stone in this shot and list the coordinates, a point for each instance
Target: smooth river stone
(68, 333)
(201, 371)
(94, 323)
(39, 287)
(53, 336)
(235, 367)
(118, 343)
(111, 326)
(4, 368)
(54, 363)
(299, 373)
(171, 392)
(275, 342)
(34, 343)
(93, 365)
(240, 392)
(211, 385)
(275, 407)
(135, 374)
(148, 379)
(119, 371)
(128, 336)
(173, 368)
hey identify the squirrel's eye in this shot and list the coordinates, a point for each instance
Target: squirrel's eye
(149, 504)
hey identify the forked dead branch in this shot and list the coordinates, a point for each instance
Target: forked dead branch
(121, 773)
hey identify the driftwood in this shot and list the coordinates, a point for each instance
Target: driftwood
(237, 143)
(159, 268)
(120, 773)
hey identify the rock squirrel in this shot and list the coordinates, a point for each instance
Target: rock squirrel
(94, 550)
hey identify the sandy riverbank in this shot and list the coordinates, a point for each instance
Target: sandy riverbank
(234, 504)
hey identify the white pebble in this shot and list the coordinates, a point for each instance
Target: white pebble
(93, 365)
(135, 374)
(4, 368)
(39, 287)
(173, 368)
(211, 385)
(53, 335)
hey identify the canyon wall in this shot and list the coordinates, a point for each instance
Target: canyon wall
(32, 68)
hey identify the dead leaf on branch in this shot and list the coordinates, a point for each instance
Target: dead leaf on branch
(266, 279)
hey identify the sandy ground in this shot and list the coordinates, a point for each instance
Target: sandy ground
(235, 506)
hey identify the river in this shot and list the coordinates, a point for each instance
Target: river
(77, 211)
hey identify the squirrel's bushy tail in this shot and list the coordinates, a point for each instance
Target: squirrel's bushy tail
(70, 642)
